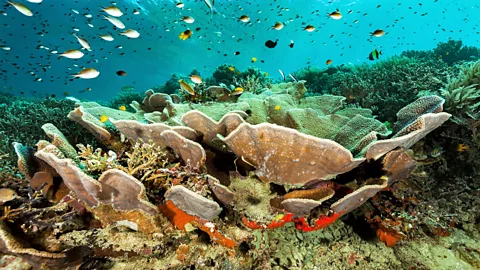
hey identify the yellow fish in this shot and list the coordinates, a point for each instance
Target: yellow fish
(6, 195)
(236, 92)
(21, 8)
(254, 59)
(103, 118)
(277, 108)
(231, 68)
(122, 108)
(186, 87)
(185, 35)
(462, 147)
(265, 74)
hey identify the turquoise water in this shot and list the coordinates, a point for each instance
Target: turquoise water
(158, 52)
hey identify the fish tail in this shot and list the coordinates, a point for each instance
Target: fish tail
(216, 11)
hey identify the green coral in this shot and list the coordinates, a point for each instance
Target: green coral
(223, 74)
(125, 98)
(462, 95)
(170, 86)
(22, 119)
(454, 51)
(389, 85)
(318, 80)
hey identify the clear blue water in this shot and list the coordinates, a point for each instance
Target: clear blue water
(159, 24)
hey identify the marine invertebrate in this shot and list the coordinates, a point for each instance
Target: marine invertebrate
(115, 196)
(276, 151)
(454, 51)
(461, 93)
(397, 81)
(20, 114)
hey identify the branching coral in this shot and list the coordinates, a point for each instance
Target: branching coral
(124, 98)
(21, 115)
(142, 161)
(389, 84)
(454, 51)
(462, 97)
(250, 84)
(95, 161)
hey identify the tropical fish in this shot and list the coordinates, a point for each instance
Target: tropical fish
(336, 15)
(21, 8)
(196, 79)
(7, 194)
(186, 87)
(115, 21)
(270, 44)
(87, 73)
(277, 107)
(180, 5)
(244, 18)
(122, 108)
(210, 4)
(72, 54)
(231, 68)
(254, 59)
(130, 33)
(185, 35)
(436, 152)
(237, 91)
(83, 42)
(281, 73)
(462, 147)
(278, 26)
(374, 55)
(188, 19)
(293, 78)
(329, 61)
(113, 11)
(136, 12)
(378, 33)
(121, 73)
(309, 28)
(103, 118)
(106, 37)
(291, 44)
(72, 99)
(35, 1)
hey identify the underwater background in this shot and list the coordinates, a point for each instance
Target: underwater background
(202, 134)
(158, 52)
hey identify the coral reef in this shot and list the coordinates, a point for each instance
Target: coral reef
(453, 51)
(462, 94)
(124, 98)
(284, 165)
(390, 84)
(21, 114)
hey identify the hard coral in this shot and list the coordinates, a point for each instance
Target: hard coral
(21, 114)
(275, 151)
(389, 84)
(461, 93)
(114, 197)
(454, 51)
